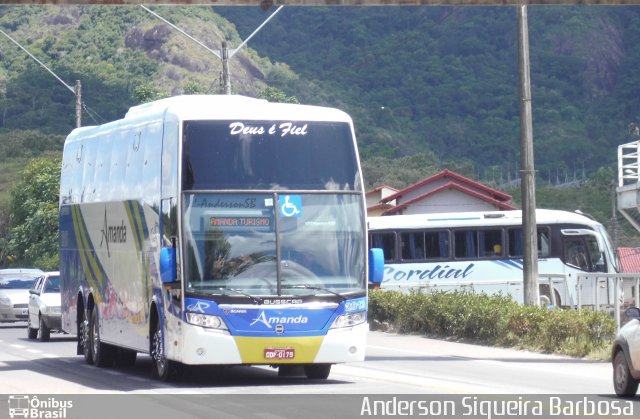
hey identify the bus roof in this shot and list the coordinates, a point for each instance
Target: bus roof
(216, 107)
(475, 219)
(224, 107)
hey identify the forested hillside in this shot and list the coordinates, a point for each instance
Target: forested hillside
(445, 79)
(428, 87)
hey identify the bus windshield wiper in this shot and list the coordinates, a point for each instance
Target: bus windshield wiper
(312, 287)
(256, 300)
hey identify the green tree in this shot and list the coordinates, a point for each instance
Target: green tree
(146, 93)
(273, 94)
(33, 235)
(194, 88)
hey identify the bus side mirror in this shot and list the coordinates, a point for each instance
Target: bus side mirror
(168, 265)
(376, 265)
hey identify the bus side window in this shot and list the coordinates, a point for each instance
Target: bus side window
(516, 246)
(543, 243)
(490, 242)
(386, 242)
(437, 244)
(466, 244)
(412, 245)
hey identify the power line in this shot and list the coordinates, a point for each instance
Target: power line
(39, 62)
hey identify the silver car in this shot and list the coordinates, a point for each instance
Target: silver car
(44, 307)
(14, 293)
(626, 355)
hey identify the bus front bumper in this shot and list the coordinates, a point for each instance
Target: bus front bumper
(201, 346)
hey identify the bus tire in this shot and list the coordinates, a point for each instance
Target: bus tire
(161, 368)
(317, 371)
(545, 296)
(101, 353)
(44, 332)
(83, 338)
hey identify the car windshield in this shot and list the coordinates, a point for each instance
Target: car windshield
(52, 284)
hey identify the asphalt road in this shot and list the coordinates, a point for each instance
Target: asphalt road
(398, 369)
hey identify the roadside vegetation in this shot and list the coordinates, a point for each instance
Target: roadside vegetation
(493, 320)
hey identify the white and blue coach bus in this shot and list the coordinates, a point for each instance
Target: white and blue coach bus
(483, 251)
(215, 230)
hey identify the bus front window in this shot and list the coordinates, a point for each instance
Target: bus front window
(232, 246)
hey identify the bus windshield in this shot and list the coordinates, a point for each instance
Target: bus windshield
(269, 155)
(273, 244)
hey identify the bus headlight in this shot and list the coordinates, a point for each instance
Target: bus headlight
(206, 320)
(348, 320)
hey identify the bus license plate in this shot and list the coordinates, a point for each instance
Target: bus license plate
(279, 353)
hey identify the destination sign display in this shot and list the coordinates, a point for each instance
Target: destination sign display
(227, 221)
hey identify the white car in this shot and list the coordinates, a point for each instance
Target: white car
(14, 293)
(626, 356)
(44, 307)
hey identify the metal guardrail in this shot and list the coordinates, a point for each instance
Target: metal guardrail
(623, 285)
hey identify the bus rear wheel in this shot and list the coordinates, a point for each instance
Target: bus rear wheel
(101, 353)
(317, 371)
(83, 338)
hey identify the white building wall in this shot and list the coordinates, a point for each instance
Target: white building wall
(451, 200)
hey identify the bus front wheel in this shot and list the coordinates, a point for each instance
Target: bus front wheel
(161, 368)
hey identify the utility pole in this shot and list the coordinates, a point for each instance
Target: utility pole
(223, 54)
(226, 77)
(78, 104)
(529, 229)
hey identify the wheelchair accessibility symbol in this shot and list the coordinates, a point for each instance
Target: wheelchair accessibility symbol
(290, 205)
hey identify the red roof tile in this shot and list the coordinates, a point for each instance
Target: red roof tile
(629, 259)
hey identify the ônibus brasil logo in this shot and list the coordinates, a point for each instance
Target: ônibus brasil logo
(23, 406)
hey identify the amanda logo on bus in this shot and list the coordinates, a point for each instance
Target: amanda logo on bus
(112, 233)
(283, 129)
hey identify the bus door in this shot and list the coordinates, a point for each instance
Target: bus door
(582, 251)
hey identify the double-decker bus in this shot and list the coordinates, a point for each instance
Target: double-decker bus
(483, 251)
(215, 230)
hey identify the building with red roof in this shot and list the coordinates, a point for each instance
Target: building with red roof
(445, 191)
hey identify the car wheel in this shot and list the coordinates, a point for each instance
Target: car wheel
(623, 383)
(31, 332)
(43, 331)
